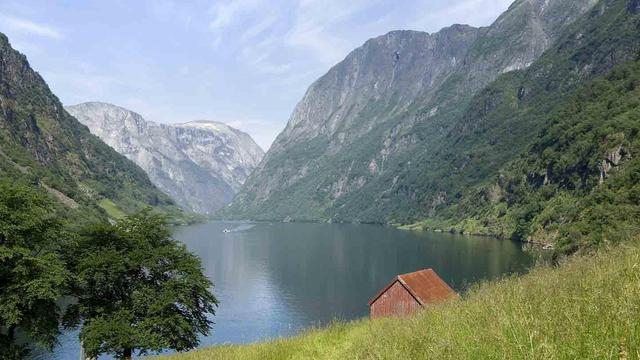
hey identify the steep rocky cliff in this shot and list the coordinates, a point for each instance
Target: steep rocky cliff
(200, 164)
(42, 144)
(357, 146)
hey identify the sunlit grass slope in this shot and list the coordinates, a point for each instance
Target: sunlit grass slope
(588, 308)
(112, 209)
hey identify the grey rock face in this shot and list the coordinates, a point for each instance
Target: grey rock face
(612, 160)
(200, 164)
(387, 72)
(518, 37)
(390, 70)
(386, 102)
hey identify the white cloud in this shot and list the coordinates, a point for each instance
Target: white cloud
(259, 56)
(318, 25)
(216, 41)
(87, 86)
(233, 14)
(265, 66)
(184, 70)
(224, 13)
(19, 25)
(180, 12)
(472, 12)
(259, 28)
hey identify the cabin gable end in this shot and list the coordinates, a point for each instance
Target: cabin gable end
(395, 300)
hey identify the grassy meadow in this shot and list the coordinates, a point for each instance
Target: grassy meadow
(587, 308)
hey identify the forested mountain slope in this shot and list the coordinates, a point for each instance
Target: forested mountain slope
(42, 144)
(360, 145)
(550, 154)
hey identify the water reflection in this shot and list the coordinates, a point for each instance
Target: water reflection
(275, 279)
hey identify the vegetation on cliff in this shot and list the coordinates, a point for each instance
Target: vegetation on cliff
(41, 144)
(371, 140)
(544, 153)
(575, 182)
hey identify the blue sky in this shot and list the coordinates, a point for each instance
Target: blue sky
(243, 62)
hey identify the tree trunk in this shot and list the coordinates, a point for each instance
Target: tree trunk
(12, 332)
(83, 355)
(126, 354)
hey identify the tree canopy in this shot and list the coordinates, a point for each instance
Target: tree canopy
(137, 289)
(32, 274)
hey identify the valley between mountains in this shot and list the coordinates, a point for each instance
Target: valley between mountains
(495, 130)
(500, 163)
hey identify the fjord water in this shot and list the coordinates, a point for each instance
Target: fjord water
(276, 279)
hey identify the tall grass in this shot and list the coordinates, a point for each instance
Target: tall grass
(588, 308)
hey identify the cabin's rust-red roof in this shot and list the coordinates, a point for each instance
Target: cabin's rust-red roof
(424, 285)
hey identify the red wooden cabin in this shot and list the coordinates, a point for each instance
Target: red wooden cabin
(409, 292)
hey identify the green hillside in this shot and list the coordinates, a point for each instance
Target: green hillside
(510, 158)
(42, 144)
(586, 309)
(546, 153)
(549, 154)
(377, 150)
(498, 123)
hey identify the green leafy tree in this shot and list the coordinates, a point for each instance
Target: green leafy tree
(32, 274)
(137, 289)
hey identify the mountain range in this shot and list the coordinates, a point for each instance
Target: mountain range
(456, 130)
(200, 164)
(525, 129)
(352, 135)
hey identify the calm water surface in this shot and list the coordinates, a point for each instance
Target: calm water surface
(274, 280)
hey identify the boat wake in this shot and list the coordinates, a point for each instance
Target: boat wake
(243, 227)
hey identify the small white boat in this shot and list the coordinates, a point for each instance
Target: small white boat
(226, 231)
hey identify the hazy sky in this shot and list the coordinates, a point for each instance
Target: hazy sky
(243, 62)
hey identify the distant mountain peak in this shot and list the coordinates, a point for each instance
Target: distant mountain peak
(201, 164)
(210, 125)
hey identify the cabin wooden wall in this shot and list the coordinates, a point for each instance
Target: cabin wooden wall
(396, 301)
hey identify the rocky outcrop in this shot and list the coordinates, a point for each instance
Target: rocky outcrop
(351, 144)
(200, 164)
(518, 37)
(612, 159)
